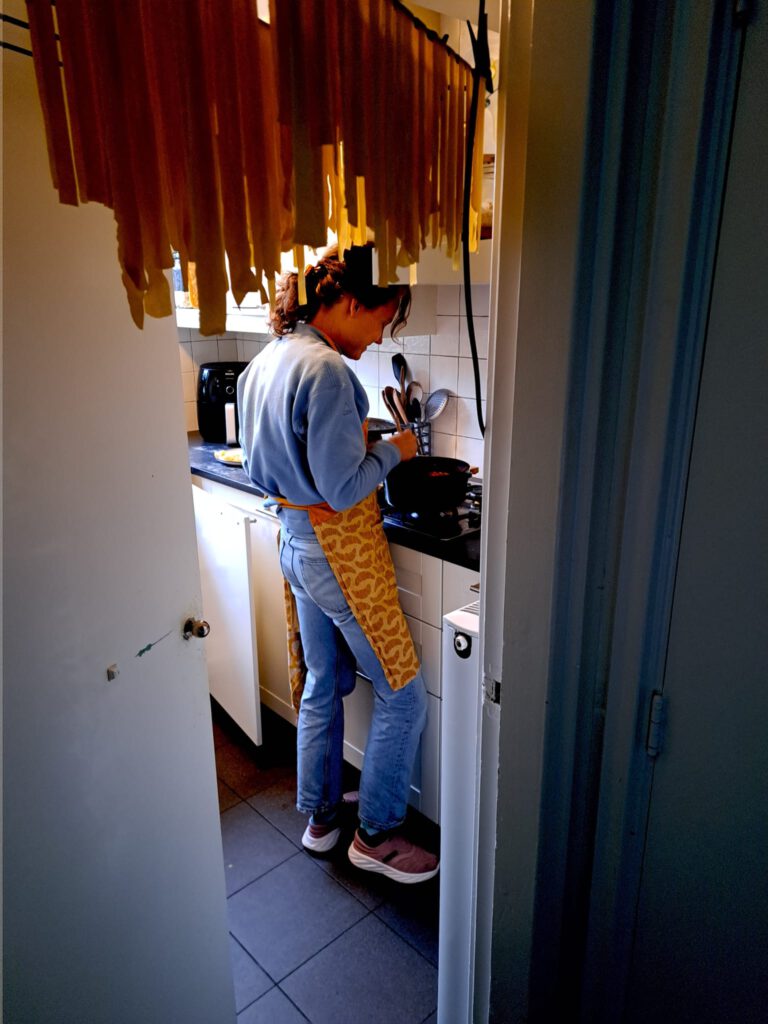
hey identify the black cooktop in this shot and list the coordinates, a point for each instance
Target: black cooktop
(451, 524)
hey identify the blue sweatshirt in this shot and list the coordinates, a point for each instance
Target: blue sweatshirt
(301, 410)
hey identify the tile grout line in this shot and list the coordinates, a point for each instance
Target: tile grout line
(403, 939)
(299, 849)
(330, 942)
(264, 874)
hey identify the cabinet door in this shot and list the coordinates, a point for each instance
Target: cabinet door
(228, 605)
(428, 643)
(419, 583)
(267, 583)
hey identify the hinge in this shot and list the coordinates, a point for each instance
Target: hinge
(655, 724)
(492, 690)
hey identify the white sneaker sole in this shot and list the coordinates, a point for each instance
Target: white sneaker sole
(320, 845)
(365, 863)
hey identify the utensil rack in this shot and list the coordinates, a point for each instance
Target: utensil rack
(423, 431)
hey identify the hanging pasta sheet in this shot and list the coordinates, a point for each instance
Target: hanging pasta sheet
(229, 140)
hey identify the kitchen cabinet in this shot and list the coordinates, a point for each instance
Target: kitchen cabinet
(260, 559)
(245, 608)
(223, 543)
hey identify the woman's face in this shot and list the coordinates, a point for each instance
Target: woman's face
(362, 327)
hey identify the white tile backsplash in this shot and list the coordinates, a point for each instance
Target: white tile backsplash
(206, 351)
(471, 451)
(367, 368)
(446, 341)
(448, 299)
(418, 369)
(416, 345)
(444, 445)
(189, 386)
(466, 383)
(481, 337)
(443, 373)
(439, 359)
(466, 418)
(227, 349)
(185, 357)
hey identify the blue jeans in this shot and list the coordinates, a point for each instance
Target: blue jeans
(333, 642)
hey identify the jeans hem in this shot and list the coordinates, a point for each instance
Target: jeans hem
(373, 826)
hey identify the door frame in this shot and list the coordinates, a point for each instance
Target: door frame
(662, 96)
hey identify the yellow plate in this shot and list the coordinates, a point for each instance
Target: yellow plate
(229, 456)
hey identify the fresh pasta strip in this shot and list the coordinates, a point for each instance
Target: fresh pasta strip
(230, 140)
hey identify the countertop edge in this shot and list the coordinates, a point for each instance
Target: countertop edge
(464, 552)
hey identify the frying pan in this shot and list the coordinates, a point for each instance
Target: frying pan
(427, 484)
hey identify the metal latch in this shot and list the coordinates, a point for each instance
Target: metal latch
(655, 724)
(492, 690)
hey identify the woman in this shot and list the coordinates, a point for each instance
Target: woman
(302, 416)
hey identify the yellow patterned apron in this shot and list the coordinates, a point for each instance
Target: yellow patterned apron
(356, 547)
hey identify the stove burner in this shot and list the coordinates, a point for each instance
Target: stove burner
(450, 524)
(446, 525)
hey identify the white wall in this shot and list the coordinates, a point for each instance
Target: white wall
(438, 360)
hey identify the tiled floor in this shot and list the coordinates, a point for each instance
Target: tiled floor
(314, 939)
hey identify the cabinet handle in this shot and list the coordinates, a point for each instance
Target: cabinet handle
(196, 627)
(475, 588)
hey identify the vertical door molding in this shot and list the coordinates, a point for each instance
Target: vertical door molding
(668, 396)
(662, 97)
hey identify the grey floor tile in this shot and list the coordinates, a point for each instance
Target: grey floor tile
(227, 797)
(250, 981)
(412, 911)
(251, 846)
(240, 768)
(370, 889)
(273, 1008)
(290, 913)
(278, 805)
(368, 974)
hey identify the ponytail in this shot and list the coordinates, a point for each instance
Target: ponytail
(327, 282)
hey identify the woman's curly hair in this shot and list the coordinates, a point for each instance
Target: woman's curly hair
(328, 281)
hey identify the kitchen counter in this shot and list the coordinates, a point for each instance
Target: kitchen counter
(462, 551)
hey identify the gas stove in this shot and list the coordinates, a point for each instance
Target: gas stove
(452, 524)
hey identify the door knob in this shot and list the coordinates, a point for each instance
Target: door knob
(196, 627)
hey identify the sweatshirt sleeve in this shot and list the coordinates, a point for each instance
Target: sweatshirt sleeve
(343, 469)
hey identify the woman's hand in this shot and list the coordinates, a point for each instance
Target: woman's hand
(405, 442)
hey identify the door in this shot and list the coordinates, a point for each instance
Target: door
(701, 937)
(114, 906)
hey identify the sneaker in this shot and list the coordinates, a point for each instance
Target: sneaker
(396, 858)
(320, 838)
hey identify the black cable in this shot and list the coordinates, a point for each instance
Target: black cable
(482, 69)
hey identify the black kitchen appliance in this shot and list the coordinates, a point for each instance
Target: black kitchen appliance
(217, 418)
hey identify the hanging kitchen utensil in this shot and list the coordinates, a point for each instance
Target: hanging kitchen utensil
(400, 370)
(413, 395)
(436, 403)
(398, 403)
(388, 395)
(414, 411)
